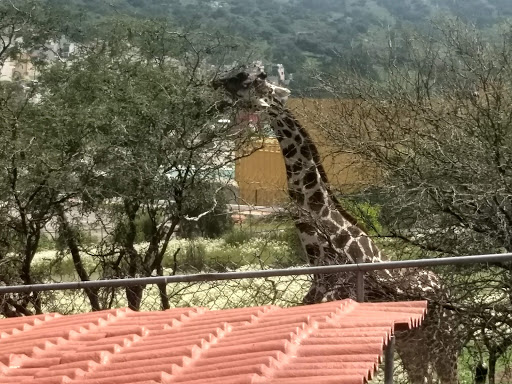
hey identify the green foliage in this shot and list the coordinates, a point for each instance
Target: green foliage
(366, 213)
(254, 245)
(289, 235)
(144, 226)
(236, 236)
(194, 258)
(290, 31)
(46, 243)
(122, 132)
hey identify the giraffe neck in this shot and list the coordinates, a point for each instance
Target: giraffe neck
(328, 233)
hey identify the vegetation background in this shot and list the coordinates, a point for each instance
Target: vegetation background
(122, 132)
(304, 34)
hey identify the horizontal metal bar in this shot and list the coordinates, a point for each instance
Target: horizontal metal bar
(201, 277)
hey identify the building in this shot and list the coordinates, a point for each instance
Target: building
(22, 68)
(276, 74)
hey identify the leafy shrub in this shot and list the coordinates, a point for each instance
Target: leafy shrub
(225, 259)
(236, 237)
(194, 257)
(296, 254)
(143, 229)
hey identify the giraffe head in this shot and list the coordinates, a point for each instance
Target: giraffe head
(251, 86)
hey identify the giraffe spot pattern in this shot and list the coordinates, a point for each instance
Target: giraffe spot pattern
(290, 151)
(331, 226)
(341, 239)
(306, 152)
(354, 231)
(364, 242)
(296, 196)
(375, 249)
(306, 228)
(316, 201)
(297, 166)
(290, 123)
(310, 179)
(330, 254)
(312, 250)
(346, 240)
(338, 218)
(354, 250)
(288, 171)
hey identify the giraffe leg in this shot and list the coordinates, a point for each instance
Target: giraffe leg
(414, 355)
(433, 345)
(446, 369)
(445, 345)
(316, 292)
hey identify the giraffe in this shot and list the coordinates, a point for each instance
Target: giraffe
(330, 235)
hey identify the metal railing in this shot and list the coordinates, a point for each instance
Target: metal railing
(360, 269)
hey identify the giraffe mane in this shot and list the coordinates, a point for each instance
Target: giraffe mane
(323, 175)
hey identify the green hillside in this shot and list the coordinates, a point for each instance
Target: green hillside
(299, 33)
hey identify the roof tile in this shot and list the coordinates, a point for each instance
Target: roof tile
(335, 342)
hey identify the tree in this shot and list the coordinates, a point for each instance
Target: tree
(139, 105)
(437, 127)
(126, 129)
(34, 160)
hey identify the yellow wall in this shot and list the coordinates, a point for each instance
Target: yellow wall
(261, 176)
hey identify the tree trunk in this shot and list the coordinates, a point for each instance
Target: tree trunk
(31, 244)
(133, 294)
(480, 373)
(493, 358)
(134, 297)
(71, 242)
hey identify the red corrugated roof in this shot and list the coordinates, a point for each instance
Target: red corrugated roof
(336, 342)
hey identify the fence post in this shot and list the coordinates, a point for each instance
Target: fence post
(389, 361)
(360, 283)
(360, 286)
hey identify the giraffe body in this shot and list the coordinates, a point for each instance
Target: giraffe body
(329, 235)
